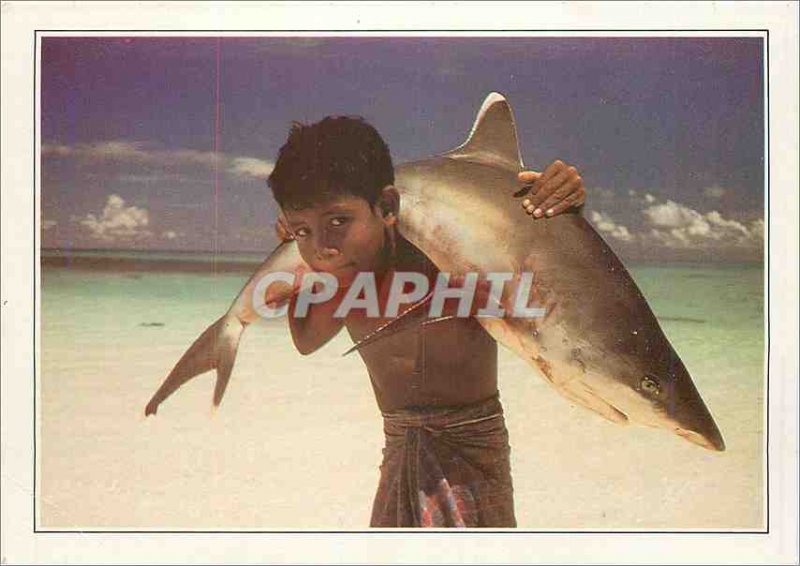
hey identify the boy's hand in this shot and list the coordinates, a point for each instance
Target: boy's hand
(553, 191)
(282, 229)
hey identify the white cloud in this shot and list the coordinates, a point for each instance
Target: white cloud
(170, 234)
(677, 226)
(757, 228)
(714, 191)
(56, 149)
(596, 193)
(144, 153)
(649, 198)
(47, 224)
(670, 214)
(605, 224)
(251, 167)
(117, 221)
(116, 150)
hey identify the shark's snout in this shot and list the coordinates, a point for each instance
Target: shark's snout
(693, 420)
(707, 441)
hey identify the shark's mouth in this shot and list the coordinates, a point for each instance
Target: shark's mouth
(584, 394)
(589, 398)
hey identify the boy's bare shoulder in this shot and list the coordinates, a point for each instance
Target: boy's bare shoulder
(408, 257)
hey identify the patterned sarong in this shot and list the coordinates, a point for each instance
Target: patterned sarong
(445, 467)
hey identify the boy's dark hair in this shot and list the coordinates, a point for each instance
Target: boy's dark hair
(337, 155)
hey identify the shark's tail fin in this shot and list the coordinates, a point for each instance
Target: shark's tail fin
(214, 349)
(493, 136)
(227, 346)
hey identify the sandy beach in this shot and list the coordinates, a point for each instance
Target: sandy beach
(297, 441)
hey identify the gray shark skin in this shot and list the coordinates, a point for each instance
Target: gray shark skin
(599, 344)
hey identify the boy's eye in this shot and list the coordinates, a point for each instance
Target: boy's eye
(301, 233)
(338, 221)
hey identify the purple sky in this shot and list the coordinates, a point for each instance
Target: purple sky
(667, 132)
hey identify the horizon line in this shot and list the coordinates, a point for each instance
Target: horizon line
(266, 252)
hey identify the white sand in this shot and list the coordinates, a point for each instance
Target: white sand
(297, 441)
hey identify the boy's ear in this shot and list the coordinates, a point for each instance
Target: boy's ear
(389, 204)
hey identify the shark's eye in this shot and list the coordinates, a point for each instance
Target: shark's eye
(650, 385)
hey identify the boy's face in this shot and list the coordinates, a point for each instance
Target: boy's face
(342, 236)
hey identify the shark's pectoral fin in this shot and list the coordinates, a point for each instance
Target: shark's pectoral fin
(413, 316)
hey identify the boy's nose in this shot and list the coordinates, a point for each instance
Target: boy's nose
(326, 247)
(326, 251)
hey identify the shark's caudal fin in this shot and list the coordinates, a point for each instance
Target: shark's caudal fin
(227, 346)
(493, 137)
(214, 349)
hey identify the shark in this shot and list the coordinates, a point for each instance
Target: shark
(598, 343)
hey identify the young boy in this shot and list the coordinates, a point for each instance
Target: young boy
(446, 459)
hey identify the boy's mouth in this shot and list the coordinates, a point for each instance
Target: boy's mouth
(338, 269)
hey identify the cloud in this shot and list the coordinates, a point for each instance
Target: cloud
(48, 224)
(714, 191)
(641, 224)
(150, 154)
(601, 193)
(251, 167)
(171, 234)
(757, 228)
(670, 215)
(606, 225)
(677, 226)
(117, 222)
(132, 151)
(56, 149)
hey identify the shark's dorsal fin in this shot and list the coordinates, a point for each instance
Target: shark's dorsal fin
(493, 137)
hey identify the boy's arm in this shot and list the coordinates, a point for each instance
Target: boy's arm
(558, 188)
(314, 330)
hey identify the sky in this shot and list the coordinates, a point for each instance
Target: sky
(166, 142)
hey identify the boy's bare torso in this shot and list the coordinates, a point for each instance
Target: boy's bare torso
(452, 362)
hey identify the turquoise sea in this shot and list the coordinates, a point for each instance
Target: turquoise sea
(100, 316)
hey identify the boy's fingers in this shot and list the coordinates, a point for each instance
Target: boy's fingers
(282, 230)
(528, 176)
(539, 179)
(547, 189)
(580, 197)
(528, 206)
(564, 191)
(552, 170)
(565, 204)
